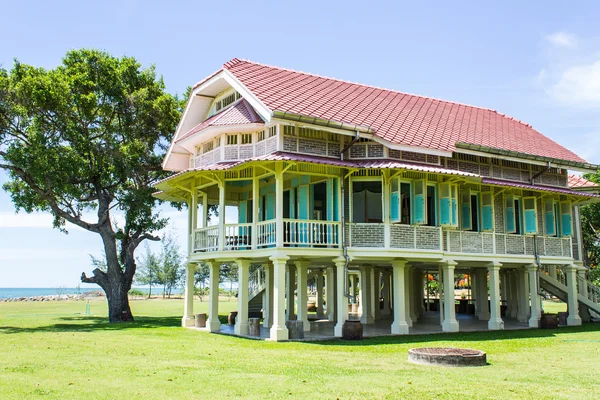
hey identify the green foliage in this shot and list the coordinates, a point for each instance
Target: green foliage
(202, 275)
(84, 140)
(590, 226)
(148, 270)
(164, 269)
(136, 293)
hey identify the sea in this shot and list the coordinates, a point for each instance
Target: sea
(7, 293)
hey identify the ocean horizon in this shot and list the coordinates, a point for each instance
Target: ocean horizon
(10, 293)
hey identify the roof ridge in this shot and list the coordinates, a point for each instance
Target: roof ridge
(235, 61)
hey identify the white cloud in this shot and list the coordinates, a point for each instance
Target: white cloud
(578, 86)
(42, 255)
(22, 220)
(562, 39)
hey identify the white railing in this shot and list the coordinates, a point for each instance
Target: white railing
(298, 232)
(589, 290)
(238, 236)
(256, 281)
(266, 233)
(206, 239)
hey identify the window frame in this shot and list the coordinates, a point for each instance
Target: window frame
(366, 179)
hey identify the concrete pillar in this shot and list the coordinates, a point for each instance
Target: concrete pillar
(319, 300)
(241, 322)
(290, 273)
(399, 325)
(188, 311)
(386, 294)
(407, 293)
(514, 294)
(330, 294)
(366, 296)
(255, 207)
(342, 300)
(534, 319)
(376, 277)
(221, 216)
(302, 293)
(279, 205)
(268, 296)
(414, 293)
(523, 289)
(573, 302)
(450, 323)
(213, 317)
(278, 329)
(495, 322)
(581, 275)
(482, 282)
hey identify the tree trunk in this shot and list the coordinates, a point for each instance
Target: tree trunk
(150, 291)
(118, 303)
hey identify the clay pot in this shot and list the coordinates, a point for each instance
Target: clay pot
(200, 320)
(549, 321)
(232, 317)
(352, 330)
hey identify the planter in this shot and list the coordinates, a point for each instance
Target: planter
(200, 320)
(311, 306)
(549, 321)
(352, 330)
(232, 317)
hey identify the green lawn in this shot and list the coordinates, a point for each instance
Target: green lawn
(50, 350)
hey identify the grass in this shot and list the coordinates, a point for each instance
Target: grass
(50, 350)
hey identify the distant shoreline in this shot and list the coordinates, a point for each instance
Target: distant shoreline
(18, 293)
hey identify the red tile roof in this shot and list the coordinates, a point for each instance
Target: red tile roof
(499, 182)
(579, 182)
(239, 113)
(387, 164)
(397, 117)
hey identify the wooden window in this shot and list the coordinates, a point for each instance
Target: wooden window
(232, 139)
(367, 205)
(289, 130)
(218, 141)
(530, 213)
(273, 131)
(565, 218)
(260, 136)
(207, 147)
(246, 138)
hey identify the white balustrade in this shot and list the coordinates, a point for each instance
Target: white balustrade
(298, 232)
(206, 239)
(238, 236)
(266, 233)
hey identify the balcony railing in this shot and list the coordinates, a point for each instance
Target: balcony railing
(327, 234)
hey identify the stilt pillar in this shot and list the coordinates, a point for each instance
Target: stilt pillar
(399, 326)
(386, 294)
(534, 319)
(523, 294)
(319, 300)
(278, 329)
(302, 293)
(573, 302)
(241, 322)
(407, 291)
(342, 300)
(188, 312)
(213, 317)
(450, 323)
(290, 281)
(366, 295)
(495, 322)
(330, 294)
(268, 296)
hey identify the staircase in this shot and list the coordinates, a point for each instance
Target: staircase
(588, 294)
(256, 288)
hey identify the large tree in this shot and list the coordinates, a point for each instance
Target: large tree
(85, 142)
(590, 225)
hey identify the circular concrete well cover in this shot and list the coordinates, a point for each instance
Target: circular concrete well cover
(447, 356)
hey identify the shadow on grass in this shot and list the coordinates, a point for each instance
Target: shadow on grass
(95, 323)
(460, 337)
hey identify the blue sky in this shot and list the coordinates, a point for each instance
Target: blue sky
(538, 62)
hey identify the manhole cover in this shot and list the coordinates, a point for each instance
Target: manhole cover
(447, 356)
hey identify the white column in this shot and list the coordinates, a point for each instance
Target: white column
(278, 329)
(386, 294)
(523, 295)
(329, 293)
(342, 300)
(581, 275)
(514, 294)
(188, 312)
(255, 206)
(495, 322)
(365, 295)
(319, 301)
(376, 280)
(399, 326)
(352, 279)
(290, 284)
(241, 322)
(482, 281)
(204, 210)
(279, 206)
(573, 303)
(192, 220)
(441, 293)
(221, 216)
(407, 291)
(552, 271)
(534, 320)
(213, 317)
(268, 296)
(450, 323)
(302, 270)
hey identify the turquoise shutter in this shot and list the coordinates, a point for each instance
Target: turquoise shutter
(303, 212)
(454, 204)
(242, 211)
(530, 212)
(261, 211)
(549, 218)
(330, 206)
(509, 213)
(465, 202)
(487, 212)
(270, 206)
(395, 201)
(420, 200)
(336, 200)
(565, 218)
(445, 204)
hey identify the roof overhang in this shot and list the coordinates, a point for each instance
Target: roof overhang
(539, 188)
